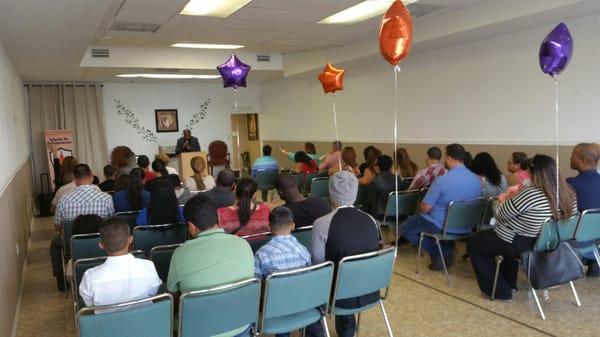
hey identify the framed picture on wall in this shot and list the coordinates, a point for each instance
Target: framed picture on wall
(252, 126)
(166, 120)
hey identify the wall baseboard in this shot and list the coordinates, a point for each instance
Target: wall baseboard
(22, 282)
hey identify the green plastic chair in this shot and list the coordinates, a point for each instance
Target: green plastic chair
(286, 311)
(219, 309)
(462, 217)
(299, 178)
(257, 240)
(319, 188)
(67, 233)
(148, 237)
(587, 233)
(85, 246)
(266, 182)
(405, 183)
(362, 274)
(150, 317)
(161, 257)
(408, 204)
(129, 217)
(304, 236)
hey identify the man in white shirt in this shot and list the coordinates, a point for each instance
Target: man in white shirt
(123, 277)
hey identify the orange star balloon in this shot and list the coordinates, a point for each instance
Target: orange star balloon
(332, 78)
(395, 34)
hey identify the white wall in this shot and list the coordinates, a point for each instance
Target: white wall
(13, 120)
(489, 91)
(143, 98)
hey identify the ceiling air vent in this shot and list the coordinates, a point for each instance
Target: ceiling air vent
(122, 26)
(263, 58)
(418, 10)
(100, 52)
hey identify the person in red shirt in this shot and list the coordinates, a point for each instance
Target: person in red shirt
(304, 164)
(144, 163)
(246, 216)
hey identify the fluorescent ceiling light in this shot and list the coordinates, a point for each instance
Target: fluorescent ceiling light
(361, 11)
(207, 46)
(169, 76)
(218, 8)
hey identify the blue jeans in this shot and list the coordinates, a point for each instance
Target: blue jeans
(411, 229)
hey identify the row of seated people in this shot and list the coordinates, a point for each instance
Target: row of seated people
(214, 257)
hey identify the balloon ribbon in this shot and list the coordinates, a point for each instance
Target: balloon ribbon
(337, 138)
(396, 72)
(556, 142)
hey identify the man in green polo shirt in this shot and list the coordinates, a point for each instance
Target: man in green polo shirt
(212, 258)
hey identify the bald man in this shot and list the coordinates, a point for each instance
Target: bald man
(187, 143)
(586, 184)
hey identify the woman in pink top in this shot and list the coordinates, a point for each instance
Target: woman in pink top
(246, 216)
(517, 166)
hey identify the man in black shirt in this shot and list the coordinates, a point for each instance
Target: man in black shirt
(108, 185)
(305, 210)
(343, 232)
(222, 194)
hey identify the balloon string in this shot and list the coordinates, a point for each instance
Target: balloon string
(556, 143)
(337, 138)
(235, 99)
(396, 72)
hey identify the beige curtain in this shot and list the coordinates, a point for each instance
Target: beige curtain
(77, 107)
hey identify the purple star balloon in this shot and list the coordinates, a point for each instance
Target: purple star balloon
(234, 72)
(556, 50)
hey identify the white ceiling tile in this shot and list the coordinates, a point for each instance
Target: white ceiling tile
(281, 26)
(143, 16)
(255, 13)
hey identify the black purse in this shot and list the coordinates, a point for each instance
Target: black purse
(553, 267)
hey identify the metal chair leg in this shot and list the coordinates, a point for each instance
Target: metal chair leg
(325, 327)
(357, 324)
(385, 318)
(437, 242)
(419, 253)
(499, 260)
(303, 332)
(575, 294)
(537, 302)
(597, 256)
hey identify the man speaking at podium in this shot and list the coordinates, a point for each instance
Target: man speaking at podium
(187, 143)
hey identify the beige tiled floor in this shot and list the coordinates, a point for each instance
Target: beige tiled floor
(418, 304)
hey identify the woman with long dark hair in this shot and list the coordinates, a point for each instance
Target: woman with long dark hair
(348, 162)
(163, 208)
(159, 168)
(304, 164)
(492, 181)
(519, 222)
(133, 197)
(405, 167)
(370, 171)
(246, 216)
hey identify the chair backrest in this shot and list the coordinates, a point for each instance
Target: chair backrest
(217, 150)
(85, 246)
(319, 187)
(299, 179)
(408, 204)
(311, 289)
(161, 257)
(488, 213)
(304, 236)
(151, 317)
(363, 274)
(148, 237)
(67, 233)
(129, 217)
(266, 179)
(588, 229)
(220, 309)
(553, 232)
(464, 215)
(257, 240)
(405, 183)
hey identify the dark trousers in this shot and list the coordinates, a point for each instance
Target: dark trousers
(411, 229)
(345, 326)
(313, 330)
(55, 256)
(483, 248)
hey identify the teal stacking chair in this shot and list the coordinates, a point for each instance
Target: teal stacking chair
(299, 178)
(266, 182)
(257, 240)
(148, 237)
(161, 257)
(217, 310)
(405, 183)
(363, 274)
(319, 188)
(587, 233)
(488, 214)
(552, 233)
(304, 236)
(129, 217)
(286, 311)
(150, 317)
(85, 246)
(408, 204)
(462, 217)
(365, 197)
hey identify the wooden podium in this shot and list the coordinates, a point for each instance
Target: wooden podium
(185, 166)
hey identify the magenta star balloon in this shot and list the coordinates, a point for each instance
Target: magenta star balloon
(234, 72)
(556, 50)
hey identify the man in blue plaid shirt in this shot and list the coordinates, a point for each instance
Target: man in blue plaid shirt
(283, 252)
